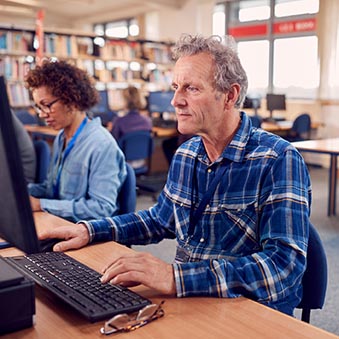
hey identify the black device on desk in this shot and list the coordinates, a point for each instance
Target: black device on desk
(275, 102)
(73, 282)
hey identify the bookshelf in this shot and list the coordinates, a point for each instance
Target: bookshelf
(114, 63)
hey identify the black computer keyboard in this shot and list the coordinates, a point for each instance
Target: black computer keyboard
(78, 285)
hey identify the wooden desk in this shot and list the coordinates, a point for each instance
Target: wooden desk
(184, 318)
(43, 130)
(48, 131)
(330, 147)
(283, 127)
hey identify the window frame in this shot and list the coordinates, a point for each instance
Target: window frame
(270, 29)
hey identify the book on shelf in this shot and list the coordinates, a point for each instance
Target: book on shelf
(14, 68)
(18, 94)
(16, 41)
(61, 45)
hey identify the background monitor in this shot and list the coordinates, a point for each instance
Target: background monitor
(252, 101)
(102, 105)
(275, 102)
(102, 109)
(16, 219)
(160, 102)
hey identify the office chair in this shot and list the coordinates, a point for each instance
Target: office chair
(301, 128)
(314, 281)
(127, 197)
(139, 145)
(43, 157)
(26, 118)
(256, 121)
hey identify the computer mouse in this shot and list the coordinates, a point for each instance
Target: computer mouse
(46, 245)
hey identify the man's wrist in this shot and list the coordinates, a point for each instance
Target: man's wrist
(89, 228)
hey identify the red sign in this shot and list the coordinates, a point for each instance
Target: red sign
(285, 27)
(245, 31)
(294, 26)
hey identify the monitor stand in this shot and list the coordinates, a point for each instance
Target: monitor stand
(273, 120)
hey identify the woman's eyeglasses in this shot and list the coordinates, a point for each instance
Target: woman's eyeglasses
(47, 109)
(125, 323)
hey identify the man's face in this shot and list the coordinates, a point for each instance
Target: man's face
(199, 107)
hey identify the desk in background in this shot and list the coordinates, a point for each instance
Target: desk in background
(330, 147)
(184, 317)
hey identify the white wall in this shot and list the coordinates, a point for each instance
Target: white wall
(194, 17)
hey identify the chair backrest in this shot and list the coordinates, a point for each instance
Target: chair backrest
(26, 118)
(43, 157)
(127, 197)
(302, 124)
(314, 281)
(256, 121)
(138, 145)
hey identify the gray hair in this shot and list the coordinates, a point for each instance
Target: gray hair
(228, 69)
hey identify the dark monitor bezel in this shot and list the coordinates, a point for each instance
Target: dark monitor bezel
(276, 102)
(17, 224)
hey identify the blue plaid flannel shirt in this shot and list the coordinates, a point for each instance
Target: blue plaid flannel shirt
(251, 240)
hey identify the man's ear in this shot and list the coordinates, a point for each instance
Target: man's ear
(232, 95)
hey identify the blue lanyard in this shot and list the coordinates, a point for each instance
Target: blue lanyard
(196, 214)
(62, 157)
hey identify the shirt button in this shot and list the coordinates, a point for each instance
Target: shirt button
(202, 239)
(209, 170)
(207, 206)
(181, 204)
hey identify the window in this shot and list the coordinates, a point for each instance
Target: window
(118, 29)
(219, 20)
(293, 71)
(255, 64)
(278, 47)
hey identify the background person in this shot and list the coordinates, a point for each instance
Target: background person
(251, 236)
(133, 120)
(87, 167)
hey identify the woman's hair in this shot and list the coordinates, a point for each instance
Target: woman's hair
(228, 69)
(132, 98)
(69, 83)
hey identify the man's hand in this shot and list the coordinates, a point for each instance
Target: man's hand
(71, 237)
(141, 268)
(35, 204)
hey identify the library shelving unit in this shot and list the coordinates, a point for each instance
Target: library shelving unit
(114, 63)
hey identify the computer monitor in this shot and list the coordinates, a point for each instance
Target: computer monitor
(16, 219)
(275, 102)
(160, 102)
(252, 101)
(102, 106)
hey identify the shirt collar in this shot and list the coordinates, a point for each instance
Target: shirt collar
(235, 150)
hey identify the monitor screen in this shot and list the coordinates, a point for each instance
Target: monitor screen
(16, 219)
(160, 102)
(276, 102)
(252, 102)
(102, 106)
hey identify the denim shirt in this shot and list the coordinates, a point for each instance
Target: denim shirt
(251, 239)
(91, 176)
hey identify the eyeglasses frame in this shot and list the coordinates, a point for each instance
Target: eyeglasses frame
(47, 108)
(133, 323)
